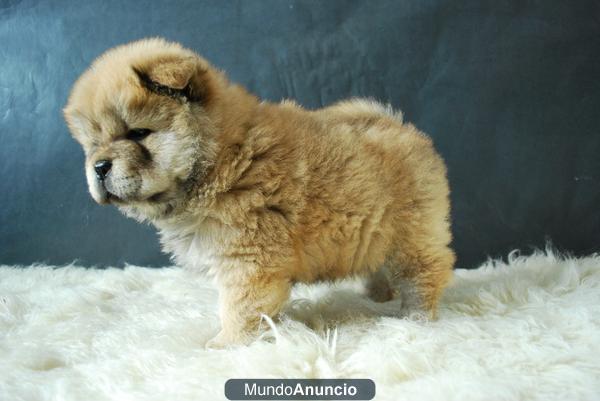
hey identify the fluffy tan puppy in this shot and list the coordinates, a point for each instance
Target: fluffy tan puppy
(263, 195)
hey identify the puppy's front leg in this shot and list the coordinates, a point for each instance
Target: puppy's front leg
(245, 294)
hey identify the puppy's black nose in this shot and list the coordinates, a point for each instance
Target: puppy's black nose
(102, 168)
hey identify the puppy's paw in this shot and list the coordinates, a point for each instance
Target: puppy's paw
(225, 340)
(216, 343)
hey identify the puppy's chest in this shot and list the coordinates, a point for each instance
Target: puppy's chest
(200, 249)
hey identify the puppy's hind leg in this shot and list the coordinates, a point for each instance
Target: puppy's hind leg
(420, 279)
(378, 286)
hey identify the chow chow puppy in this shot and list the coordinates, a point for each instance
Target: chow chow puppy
(263, 195)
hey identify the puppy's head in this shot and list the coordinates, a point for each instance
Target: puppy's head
(142, 115)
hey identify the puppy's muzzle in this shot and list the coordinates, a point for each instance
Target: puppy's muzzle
(102, 168)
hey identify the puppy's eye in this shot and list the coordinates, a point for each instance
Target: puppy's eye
(137, 134)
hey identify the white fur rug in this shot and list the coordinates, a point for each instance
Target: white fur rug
(526, 330)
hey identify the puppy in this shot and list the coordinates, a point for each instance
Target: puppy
(263, 195)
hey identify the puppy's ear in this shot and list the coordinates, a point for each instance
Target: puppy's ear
(179, 78)
(175, 73)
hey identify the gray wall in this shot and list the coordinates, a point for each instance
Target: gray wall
(509, 90)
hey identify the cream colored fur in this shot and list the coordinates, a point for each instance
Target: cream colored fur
(264, 195)
(525, 330)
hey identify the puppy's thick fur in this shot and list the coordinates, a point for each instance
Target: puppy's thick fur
(263, 195)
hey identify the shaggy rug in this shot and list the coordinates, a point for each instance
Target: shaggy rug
(528, 329)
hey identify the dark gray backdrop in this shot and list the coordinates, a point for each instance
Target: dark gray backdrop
(509, 90)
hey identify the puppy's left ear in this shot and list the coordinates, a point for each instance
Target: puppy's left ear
(179, 77)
